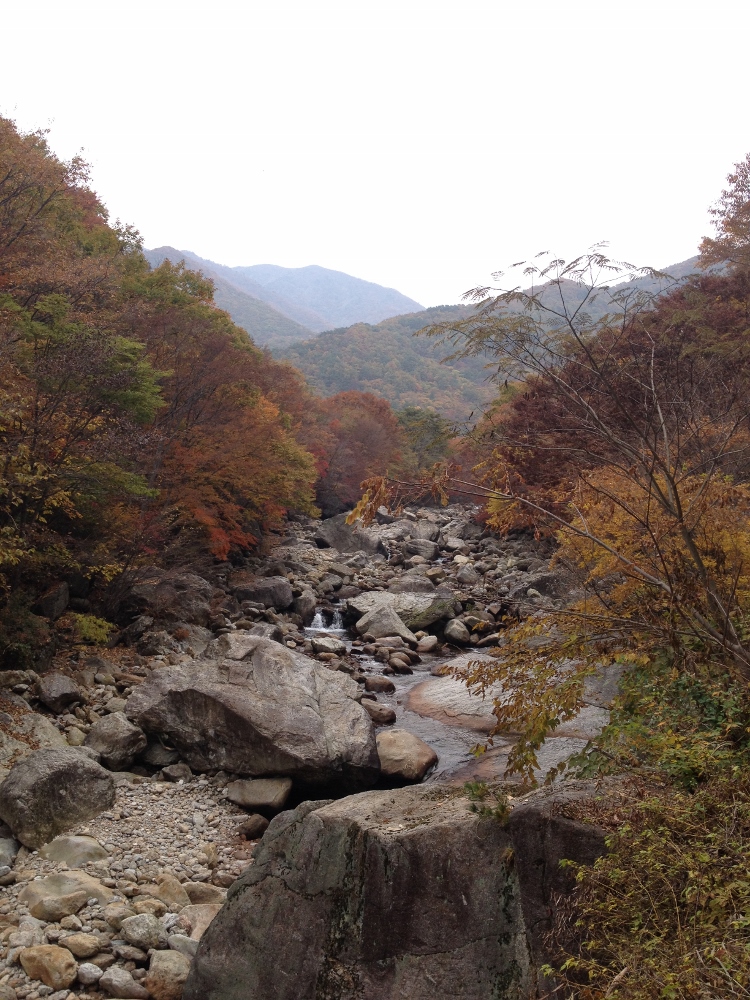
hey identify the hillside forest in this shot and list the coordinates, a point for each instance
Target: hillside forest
(136, 418)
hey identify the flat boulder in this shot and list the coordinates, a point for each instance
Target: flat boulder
(413, 878)
(51, 791)
(259, 709)
(74, 851)
(416, 611)
(270, 591)
(403, 756)
(63, 886)
(335, 533)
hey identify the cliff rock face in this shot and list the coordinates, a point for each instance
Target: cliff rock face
(386, 895)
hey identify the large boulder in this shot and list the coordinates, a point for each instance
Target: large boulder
(260, 709)
(416, 611)
(335, 533)
(23, 731)
(403, 756)
(383, 621)
(171, 595)
(51, 791)
(422, 547)
(57, 691)
(117, 741)
(270, 591)
(53, 601)
(381, 895)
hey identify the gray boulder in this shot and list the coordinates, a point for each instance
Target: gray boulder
(117, 741)
(383, 621)
(263, 795)
(335, 533)
(23, 731)
(411, 584)
(416, 611)
(261, 709)
(57, 691)
(456, 631)
(171, 595)
(270, 591)
(305, 605)
(51, 791)
(54, 601)
(425, 529)
(467, 575)
(381, 895)
(403, 756)
(422, 547)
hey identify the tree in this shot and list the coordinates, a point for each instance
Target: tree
(731, 217)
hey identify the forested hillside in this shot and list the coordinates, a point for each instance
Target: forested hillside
(388, 360)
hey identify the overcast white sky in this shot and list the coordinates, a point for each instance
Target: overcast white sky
(418, 144)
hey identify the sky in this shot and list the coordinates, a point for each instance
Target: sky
(419, 144)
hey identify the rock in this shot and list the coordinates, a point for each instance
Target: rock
(116, 740)
(422, 547)
(74, 851)
(261, 710)
(305, 606)
(252, 828)
(381, 715)
(379, 684)
(177, 772)
(57, 691)
(144, 930)
(267, 630)
(82, 945)
(64, 885)
(115, 913)
(411, 584)
(467, 575)
(416, 611)
(157, 755)
(170, 891)
(195, 919)
(7, 992)
(270, 591)
(51, 791)
(425, 529)
(89, 974)
(202, 892)
(9, 847)
(414, 878)
(167, 973)
(53, 602)
(171, 595)
(546, 584)
(403, 756)
(456, 631)
(428, 644)
(119, 983)
(55, 966)
(53, 909)
(183, 944)
(335, 533)
(103, 960)
(453, 544)
(22, 731)
(449, 700)
(328, 644)
(383, 621)
(265, 795)
(151, 905)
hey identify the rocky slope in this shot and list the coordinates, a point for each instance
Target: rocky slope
(137, 780)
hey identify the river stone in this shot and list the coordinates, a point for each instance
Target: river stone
(428, 644)
(144, 930)
(383, 621)
(422, 547)
(411, 584)
(171, 594)
(74, 850)
(119, 983)
(425, 529)
(378, 683)
(456, 631)
(23, 731)
(261, 709)
(305, 605)
(328, 644)
(167, 973)
(260, 794)
(57, 691)
(403, 756)
(62, 885)
(55, 966)
(413, 877)
(170, 891)
(82, 945)
(89, 974)
(116, 740)
(203, 892)
(468, 575)
(416, 611)
(53, 909)
(381, 715)
(335, 533)
(52, 790)
(182, 943)
(270, 591)
(195, 919)
(252, 829)
(9, 847)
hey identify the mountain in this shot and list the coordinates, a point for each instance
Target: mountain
(313, 298)
(388, 360)
(266, 325)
